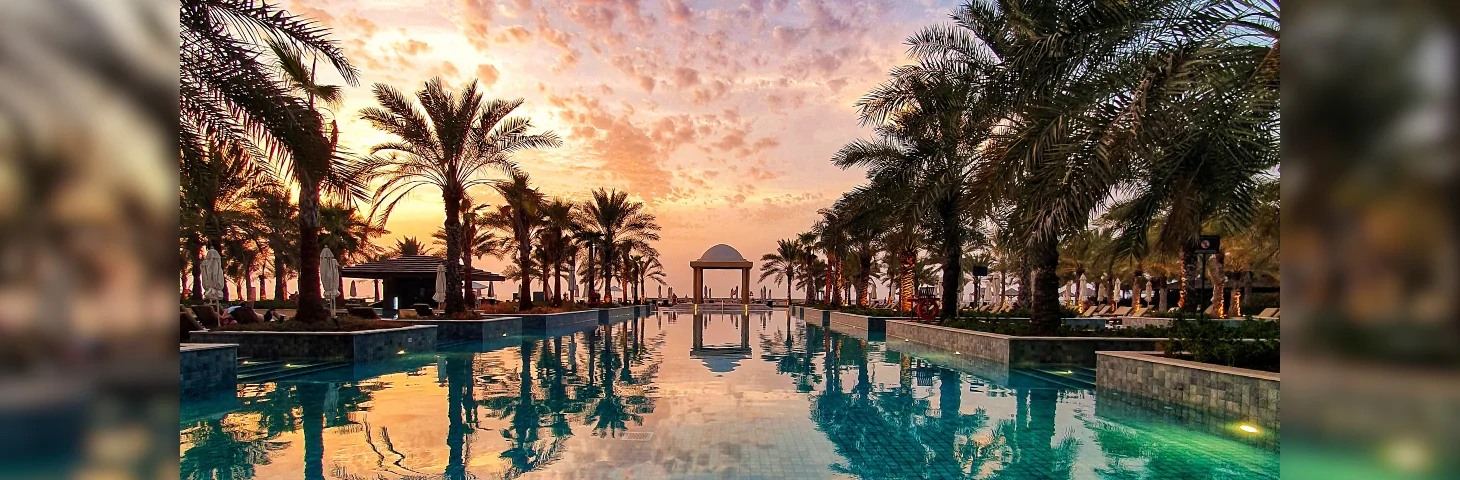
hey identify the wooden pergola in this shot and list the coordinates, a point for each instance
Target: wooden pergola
(410, 279)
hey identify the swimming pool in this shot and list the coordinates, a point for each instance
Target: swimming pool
(667, 396)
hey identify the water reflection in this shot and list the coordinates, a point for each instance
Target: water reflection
(654, 398)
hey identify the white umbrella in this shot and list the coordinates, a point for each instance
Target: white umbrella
(440, 295)
(1080, 296)
(1065, 293)
(213, 287)
(572, 283)
(1116, 291)
(329, 273)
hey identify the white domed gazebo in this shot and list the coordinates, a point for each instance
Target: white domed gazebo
(722, 257)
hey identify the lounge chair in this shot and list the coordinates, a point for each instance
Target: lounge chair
(186, 324)
(423, 310)
(207, 315)
(1120, 312)
(1100, 311)
(1089, 312)
(363, 312)
(1139, 312)
(1211, 310)
(1267, 314)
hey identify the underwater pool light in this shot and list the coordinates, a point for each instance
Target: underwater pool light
(402, 352)
(1248, 428)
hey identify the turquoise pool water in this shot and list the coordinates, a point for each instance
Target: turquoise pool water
(757, 396)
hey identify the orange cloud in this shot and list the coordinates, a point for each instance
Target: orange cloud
(513, 34)
(487, 74)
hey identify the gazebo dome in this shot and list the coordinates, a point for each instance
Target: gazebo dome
(722, 253)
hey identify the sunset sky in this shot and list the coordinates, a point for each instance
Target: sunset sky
(721, 116)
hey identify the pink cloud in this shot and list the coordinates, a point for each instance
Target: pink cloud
(475, 17)
(677, 11)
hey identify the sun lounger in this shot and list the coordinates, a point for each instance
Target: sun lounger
(207, 315)
(1120, 312)
(1139, 312)
(423, 310)
(1100, 311)
(1089, 311)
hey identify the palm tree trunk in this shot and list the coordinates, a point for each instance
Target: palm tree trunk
(468, 233)
(1135, 288)
(1044, 305)
(278, 272)
(195, 255)
(455, 304)
(1219, 286)
(1026, 284)
(558, 284)
(524, 266)
(1247, 285)
(1189, 277)
(608, 271)
(907, 284)
(311, 301)
(952, 266)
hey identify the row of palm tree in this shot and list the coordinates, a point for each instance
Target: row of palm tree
(1024, 122)
(262, 170)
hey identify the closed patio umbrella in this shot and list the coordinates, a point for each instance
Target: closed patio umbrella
(213, 286)
(492, 293)
(352, 290)
(440, 295)
(329, 276)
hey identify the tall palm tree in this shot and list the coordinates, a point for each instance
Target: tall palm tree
(215, 198)
(555, 238)
(614, 221)
(812, 268)
(227, 94)
(449, 143)
(930, 125)
(277, 215)
(517, 218)
(782, 264)
(476, 241)
(831, 239)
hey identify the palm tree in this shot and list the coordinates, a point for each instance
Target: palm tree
(930, 125)
(518, 217)
(614, 221)
(215, 198)
(228, 95)
(476, 241)
(812, 268)
(782, 264)
(448, 143)
(555, 238)
(409, 246)
(831, 238)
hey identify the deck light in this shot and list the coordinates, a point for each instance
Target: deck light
(1248, 428)
(402, 352)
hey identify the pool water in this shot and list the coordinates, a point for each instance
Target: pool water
(690, 396)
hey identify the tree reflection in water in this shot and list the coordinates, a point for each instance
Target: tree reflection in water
(867, 424)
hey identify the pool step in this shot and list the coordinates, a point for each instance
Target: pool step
(257, 371)
(1070, 377)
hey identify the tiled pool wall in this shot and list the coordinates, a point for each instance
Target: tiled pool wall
(870, 324)
(479, 329)
(207, 369)
(616, 314)
(543, 322)
(1016, 351)
(364, 346)
(1225, 393)
(817, 316)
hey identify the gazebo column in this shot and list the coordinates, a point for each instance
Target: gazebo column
(699, 285)
(745, 286)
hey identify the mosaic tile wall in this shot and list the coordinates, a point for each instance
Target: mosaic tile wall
(332, 346)
(207, 369)
(1232, 392)
(1016, 351)
(483, 329)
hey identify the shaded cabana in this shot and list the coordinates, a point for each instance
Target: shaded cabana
(408, 280)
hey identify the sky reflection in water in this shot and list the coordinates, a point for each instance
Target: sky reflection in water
(762, 396)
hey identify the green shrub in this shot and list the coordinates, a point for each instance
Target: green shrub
(1254, 344)
(1258, 301)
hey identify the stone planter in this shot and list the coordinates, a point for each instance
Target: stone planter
(476, 330)
(207, 369)
(363, 346)
(1018, 352)
(863, 322)
(1233, 395)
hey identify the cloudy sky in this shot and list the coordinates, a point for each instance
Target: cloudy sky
(721, 116)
